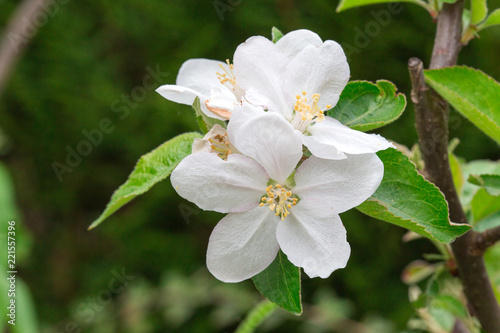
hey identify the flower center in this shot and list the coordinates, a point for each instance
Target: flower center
(227, 76)
(279, 200)
(307, 112)
(221, 145)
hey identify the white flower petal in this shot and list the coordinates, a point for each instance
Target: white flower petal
(319, 70)
(240, 115)
(342, 183)
(313, 237)
(235, 185)
(295, 41)
(242, 245)
(322, 150)
(271, 141)
(258, 65)
(200, 75)
(330, 132)
(180, 94)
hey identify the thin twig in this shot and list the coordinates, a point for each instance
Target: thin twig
(485, 239)
(17, 35)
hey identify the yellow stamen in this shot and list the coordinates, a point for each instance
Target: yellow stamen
(279, 200)
(307, 112)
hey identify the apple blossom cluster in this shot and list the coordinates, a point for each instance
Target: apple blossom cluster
(281, 168)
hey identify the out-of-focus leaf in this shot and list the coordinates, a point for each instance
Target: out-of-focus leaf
(491, 183)
(456, 168)
(479, 167)
(488, 222)
(280, 283)
(472, 93)
(365, 106)
(151, 169)
(484, 204)
(451, 304)
(26, 319)
(492, 20)
(346, 4)
(479, 10)
(417, 271)
(406, 199)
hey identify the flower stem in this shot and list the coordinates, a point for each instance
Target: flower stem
(256, 316)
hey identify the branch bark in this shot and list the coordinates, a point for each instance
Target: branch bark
(431, 115)
(15, 38)
(486, 239)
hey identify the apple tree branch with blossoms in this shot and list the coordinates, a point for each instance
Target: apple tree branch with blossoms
(283, 150)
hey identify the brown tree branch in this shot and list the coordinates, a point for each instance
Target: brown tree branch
(431, 115)
(460, 327)
(17, 35)
(485, 239)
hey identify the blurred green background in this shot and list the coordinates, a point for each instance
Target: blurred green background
(78, 71)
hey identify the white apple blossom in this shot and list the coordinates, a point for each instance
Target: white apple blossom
(300, 77)
(271, 204)
(212, 81)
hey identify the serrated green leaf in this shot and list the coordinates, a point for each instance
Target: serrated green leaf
(472, 93)
(346, 4)
(364, 106)
(276, 34)
(492, 20)
(479, 10)
(406, 199)
(280, 283)
(491, 183)
(151, 169)
(483, 204)
(205, 122)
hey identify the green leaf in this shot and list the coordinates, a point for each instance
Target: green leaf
(489, 222)
(478, 167)
(456, 168)
(365, 106)
(346, 4)
(205, 122)
(473, 93)
(26, 319)
(483, 204)
(417, 271)
(492, 20)
(491, 183)
(276, 34)
(406, 199)
(280, 283)
(151, 169)
(479, 10)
